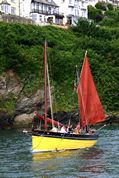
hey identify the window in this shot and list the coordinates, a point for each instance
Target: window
(40, 18)
(45, 19)
(84, 13)
(45, 8)
(75, 12)
(34, 17)
(37, 6)
(5, 8)
(82, 4)
(13, 10)
(49, 10)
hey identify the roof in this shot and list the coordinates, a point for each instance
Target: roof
(48, 2)
(4, 2)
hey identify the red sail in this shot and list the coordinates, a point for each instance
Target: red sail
(91, 110)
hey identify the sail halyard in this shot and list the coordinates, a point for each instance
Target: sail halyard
(91, 110)
(76, 83)
(50, 97)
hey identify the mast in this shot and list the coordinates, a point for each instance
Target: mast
(45, 85)
(76, 83)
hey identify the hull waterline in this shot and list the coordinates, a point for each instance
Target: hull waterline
(45, 142)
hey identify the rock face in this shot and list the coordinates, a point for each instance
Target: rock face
(23, 120)
(11, 90)
(9, 83)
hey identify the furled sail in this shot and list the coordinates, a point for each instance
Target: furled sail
(50, 121)
(91, 110)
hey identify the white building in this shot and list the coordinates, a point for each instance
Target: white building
(25, 8)
(9, 7)
(44, 11)
(58, 11)
(72, 10)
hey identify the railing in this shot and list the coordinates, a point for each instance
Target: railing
(47, 12)
(43, 12)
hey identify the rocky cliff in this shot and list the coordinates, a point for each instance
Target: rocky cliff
(17, 108)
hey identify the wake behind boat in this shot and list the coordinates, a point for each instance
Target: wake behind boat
(91, 113)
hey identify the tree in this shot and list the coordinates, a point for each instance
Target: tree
(110, 6)
(93, 12)
(101, 5)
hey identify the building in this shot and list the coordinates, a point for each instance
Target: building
(25, 8)
(9, 7)
(72, 10)
(60, 12)
(45, 11)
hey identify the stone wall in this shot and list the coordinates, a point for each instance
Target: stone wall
(15, 19)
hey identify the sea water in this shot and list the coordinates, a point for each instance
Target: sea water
(100, 161)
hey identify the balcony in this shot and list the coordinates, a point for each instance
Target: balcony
(40, 11)
(55, 12)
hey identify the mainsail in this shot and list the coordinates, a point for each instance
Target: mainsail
(91, 110)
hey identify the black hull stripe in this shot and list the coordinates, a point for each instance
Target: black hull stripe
(64, 135)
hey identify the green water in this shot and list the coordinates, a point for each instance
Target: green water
(17, 160)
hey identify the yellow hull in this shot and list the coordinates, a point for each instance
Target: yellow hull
(42, 144)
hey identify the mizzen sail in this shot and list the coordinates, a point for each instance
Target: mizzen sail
(91, 110)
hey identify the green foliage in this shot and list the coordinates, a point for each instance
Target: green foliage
(101, 6)
(108, 22)
(21, 50)
(93, 12)
(110, 6)
(85, 27)
(104, 14)
(111, 18)
(8, 105)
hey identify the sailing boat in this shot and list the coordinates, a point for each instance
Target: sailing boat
(91, 112)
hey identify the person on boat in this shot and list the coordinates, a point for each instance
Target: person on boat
(91, 131)
(78, 129)
(63, 129)
(54, 129)
(69, 129)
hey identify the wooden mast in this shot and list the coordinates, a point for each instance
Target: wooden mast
(45, 85)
